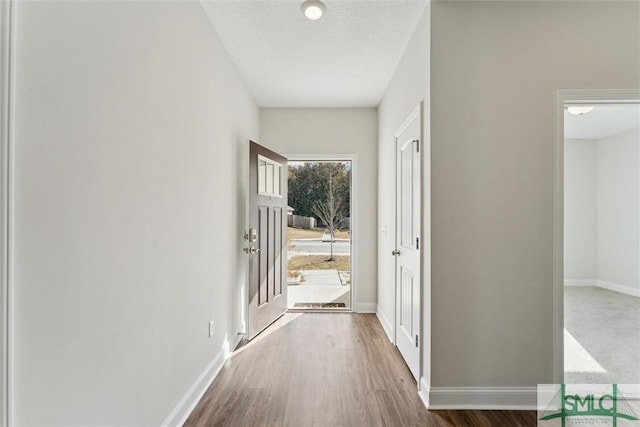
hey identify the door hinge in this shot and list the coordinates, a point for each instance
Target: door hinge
(417, 243)
(416, 340)
(417, 141)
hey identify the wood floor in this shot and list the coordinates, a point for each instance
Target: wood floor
(327, 369)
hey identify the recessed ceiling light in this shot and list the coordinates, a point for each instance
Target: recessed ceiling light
(313, 9)
(578, 110)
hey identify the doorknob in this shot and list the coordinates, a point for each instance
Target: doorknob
(395, 252)
(251, 250)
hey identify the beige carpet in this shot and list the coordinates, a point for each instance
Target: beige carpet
(602, 336)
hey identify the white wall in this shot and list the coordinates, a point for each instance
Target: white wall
(495, 70)
(408, 87)
(580, 183)
(129, 119)
(602, 216)
(5, 28)
(618, 210)
(336, 131)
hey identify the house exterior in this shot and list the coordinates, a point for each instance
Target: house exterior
(126, 127)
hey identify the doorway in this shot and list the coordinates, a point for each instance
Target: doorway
(602, 243)
(320, 234)
(597, 238)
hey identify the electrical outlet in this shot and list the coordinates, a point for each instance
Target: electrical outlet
(212, 328)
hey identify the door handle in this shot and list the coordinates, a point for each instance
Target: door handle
(395, 252)
(251, 250)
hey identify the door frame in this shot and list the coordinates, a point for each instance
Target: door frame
(353, 224)
(417, 111)
(7, 114)
(562, 97)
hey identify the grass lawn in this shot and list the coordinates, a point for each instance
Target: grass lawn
(315, 233)
(319, 262)
(301, 233)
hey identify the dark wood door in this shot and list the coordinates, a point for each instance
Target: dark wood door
(266, 240)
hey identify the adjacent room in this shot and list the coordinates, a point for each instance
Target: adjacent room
(602, 243)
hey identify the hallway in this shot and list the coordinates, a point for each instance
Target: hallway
(327, 369)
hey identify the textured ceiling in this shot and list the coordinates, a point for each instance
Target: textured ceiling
(602, 121)
(345, 59)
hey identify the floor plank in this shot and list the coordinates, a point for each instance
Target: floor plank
(327, 369)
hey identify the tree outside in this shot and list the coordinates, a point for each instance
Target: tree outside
(309, 183)
(330, 211)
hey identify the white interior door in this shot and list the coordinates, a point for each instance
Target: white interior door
(407, 253)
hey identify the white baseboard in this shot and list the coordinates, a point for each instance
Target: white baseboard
(386, 324)
(483, 398)
(423, 392)
(186, 405)
(580, 282)
(627, 290)
(364, 307)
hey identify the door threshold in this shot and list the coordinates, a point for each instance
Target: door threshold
(319, 310)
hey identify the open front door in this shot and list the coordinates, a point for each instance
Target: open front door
(407, 253)
(266, 239)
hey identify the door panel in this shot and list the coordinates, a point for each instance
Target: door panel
(408, 292)
(277, 243)
(266, 240)
(406, 296)
(263, 255)
(406, 196)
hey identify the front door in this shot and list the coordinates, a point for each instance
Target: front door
(407, 253)
(266, 239)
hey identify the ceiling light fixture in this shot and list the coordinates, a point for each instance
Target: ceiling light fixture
(313, 9)
(578, 110)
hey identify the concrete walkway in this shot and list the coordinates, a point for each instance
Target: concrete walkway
(320, 278)
(319, 286)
